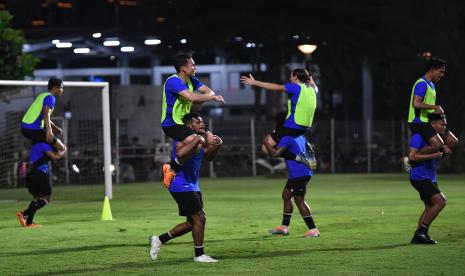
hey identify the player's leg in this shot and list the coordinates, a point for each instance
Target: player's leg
(434, 202)
(288, 208)
(198, 232)
(450, 139)
(299, 191)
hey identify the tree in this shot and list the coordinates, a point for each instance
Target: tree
(14, 64)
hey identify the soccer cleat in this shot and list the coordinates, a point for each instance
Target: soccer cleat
(280, 230)
(155, 245)
(22, 170)
(422, 238)
(33, 225)
(204, 259)
(308, 158)
(312, 233)
(406, 164)
(168, 175)
(21, 218)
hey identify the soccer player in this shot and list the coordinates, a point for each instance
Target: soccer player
(37, 126)
(423, 102)
(423, 178)
(38, 183)
(178, 97)
(298, 177)
(301, 108)
(185, 191)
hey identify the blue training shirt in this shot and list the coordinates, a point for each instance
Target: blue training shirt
(37, 124)
(187, 178)
(295, 145)
(37, 151)
(424, 170)
(173, 86)
(420, 90)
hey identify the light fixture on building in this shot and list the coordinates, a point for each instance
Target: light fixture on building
(152, 41)
(127, 49)
(64, 45)
(111, 43)
(307, 49)
(97, 35)
(81, 50)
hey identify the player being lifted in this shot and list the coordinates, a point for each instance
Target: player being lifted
(423, 103)
(178, 97)
(186, 192)
(301, 91)
(37, 126)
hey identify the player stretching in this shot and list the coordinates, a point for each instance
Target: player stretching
(38, 183)
(422, 103)
(185, 191)
(37, 126)
(423, 178)
(178, 97)
(300, 110)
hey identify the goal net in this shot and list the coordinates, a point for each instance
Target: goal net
(82, 111)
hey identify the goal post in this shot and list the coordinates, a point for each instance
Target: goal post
(105, 119)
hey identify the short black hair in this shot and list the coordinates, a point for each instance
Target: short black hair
(180, 60)
(301, 74)
(436, 63)
(54, 82)
(436, 117)
(189, 116)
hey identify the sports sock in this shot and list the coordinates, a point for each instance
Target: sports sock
(175, 165)
(198, 250)
(286, 219)
(288, 155)
(33, 207)
(165, 237)
(423, 228)
(309, 221)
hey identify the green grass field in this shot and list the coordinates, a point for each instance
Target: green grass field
(366, 222)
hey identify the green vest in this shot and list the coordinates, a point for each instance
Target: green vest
(35, 109)
(180, 107)
(430, 98)
(305, 106)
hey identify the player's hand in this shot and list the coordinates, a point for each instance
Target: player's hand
(49, 136)
(248, 80)
(219, 98)
(446, 151)
(216, 140)
(438, 109)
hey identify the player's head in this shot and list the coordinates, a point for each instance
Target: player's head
(438, 122)
(300, 75)
(195, 122)
(437, 68)
(183, 63)
(55, 86)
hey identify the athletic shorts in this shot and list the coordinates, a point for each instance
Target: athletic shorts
(37, 135)
(298, 186)
(38, 184)
(426, 188)
(189, 203)
(280, 132)
(424, 129)
(178, 132)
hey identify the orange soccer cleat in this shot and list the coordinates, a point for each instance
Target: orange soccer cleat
(21, 218)
(168, 175)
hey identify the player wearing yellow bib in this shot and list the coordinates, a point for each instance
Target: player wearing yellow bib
(423, 103)
(37, 126)
(301, 106)
(178, 97)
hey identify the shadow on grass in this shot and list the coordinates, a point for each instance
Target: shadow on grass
(109, 269)
(73, 249)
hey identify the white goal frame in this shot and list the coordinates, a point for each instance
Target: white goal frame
(105, 86)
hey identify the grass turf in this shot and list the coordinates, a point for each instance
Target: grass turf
(366, 222)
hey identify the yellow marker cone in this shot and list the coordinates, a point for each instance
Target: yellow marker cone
(106, 212)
